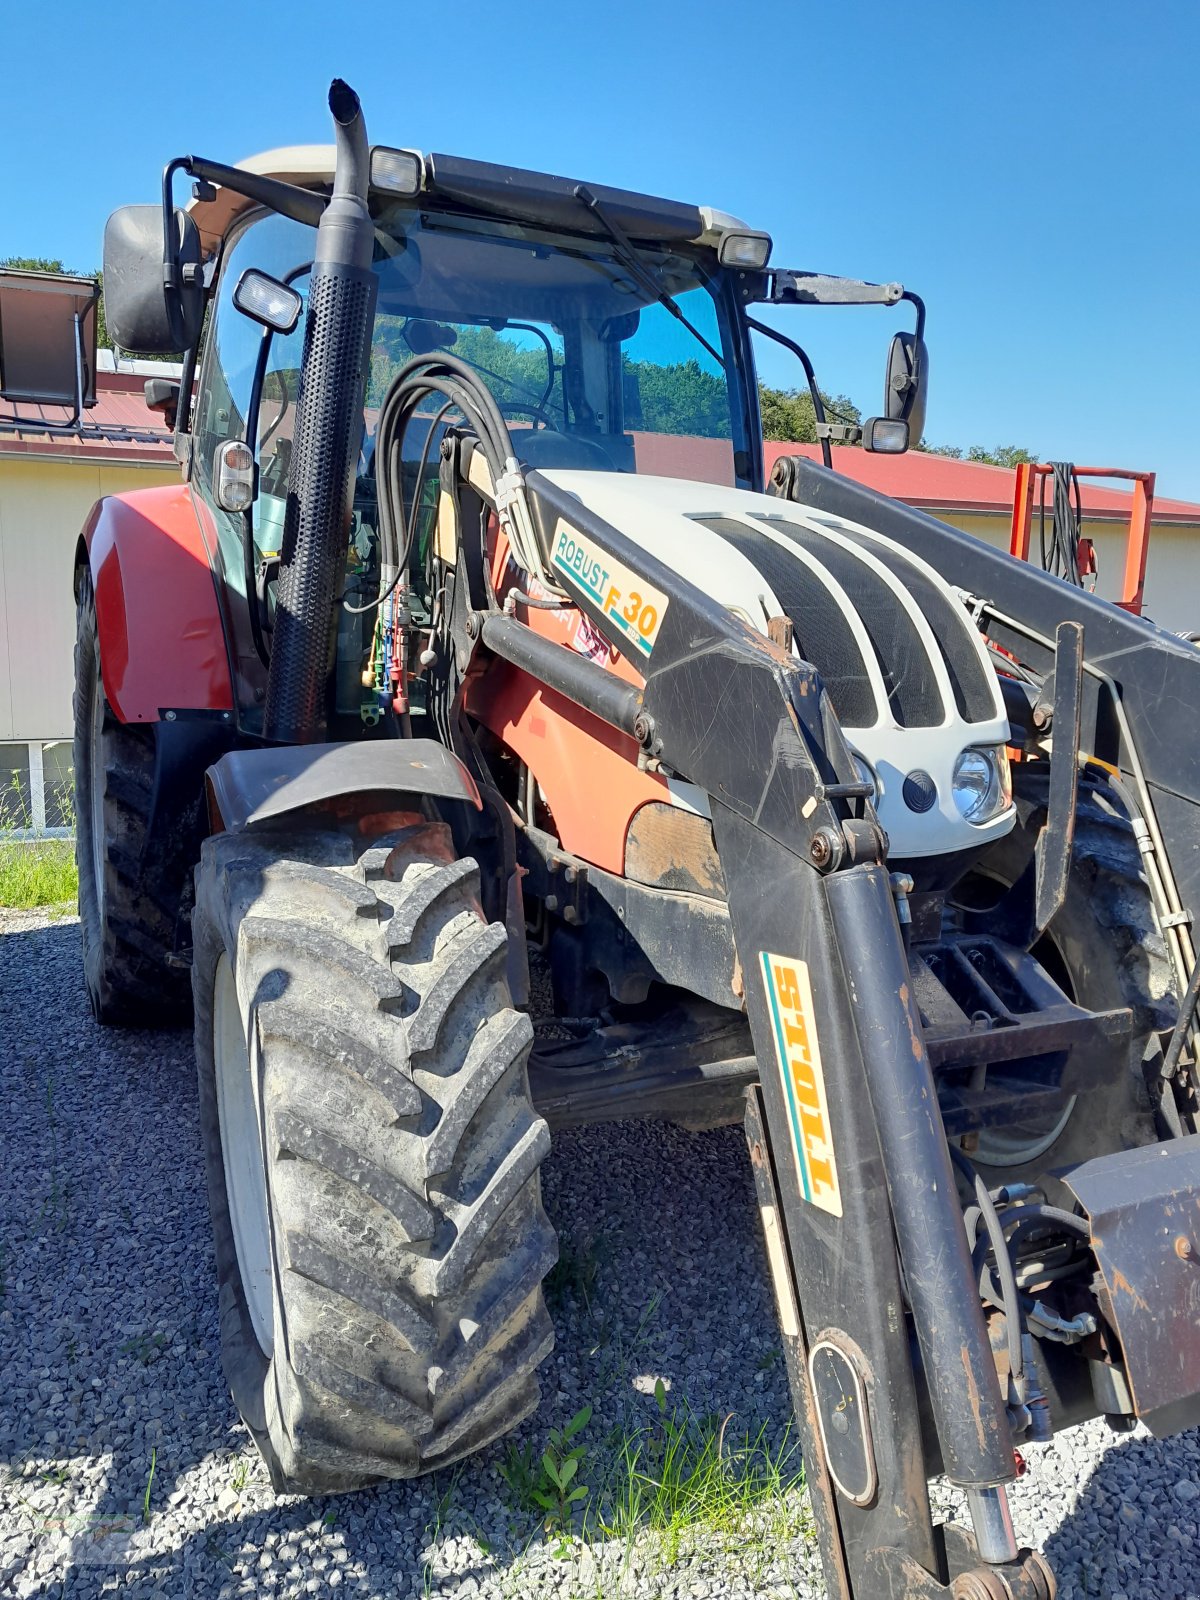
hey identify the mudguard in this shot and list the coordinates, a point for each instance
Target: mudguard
(162, 645)
(246, 787)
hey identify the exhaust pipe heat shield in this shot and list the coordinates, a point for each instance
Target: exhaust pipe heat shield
(337, 333)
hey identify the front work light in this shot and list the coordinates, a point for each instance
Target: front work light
(400, 172)
(264, 299)
(749, 250)
(885, 435)
(982, 784)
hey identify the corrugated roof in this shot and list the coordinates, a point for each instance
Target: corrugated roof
(938, 483)
(119, 427)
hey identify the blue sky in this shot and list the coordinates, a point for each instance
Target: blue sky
(1031, 169)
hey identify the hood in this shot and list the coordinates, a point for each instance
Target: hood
(904, 666)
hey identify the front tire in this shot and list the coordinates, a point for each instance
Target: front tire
(372, 1154)
(1106, 951)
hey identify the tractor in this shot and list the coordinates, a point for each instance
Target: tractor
(474, 642)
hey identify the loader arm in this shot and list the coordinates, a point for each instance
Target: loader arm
(854, 1140)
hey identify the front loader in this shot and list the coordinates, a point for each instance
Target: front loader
(474, 637)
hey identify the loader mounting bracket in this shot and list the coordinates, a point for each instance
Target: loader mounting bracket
(1144, 1210)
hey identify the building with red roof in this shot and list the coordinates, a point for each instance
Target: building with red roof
(48, 483)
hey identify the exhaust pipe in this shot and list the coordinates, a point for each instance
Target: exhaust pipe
(329, 422)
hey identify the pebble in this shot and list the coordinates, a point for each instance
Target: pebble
(110, 1309)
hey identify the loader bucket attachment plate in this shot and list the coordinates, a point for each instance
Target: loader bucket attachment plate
(1144, 1210)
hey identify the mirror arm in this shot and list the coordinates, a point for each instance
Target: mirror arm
(915, 299)
(821, 289)
(818, 404)
(288, 199)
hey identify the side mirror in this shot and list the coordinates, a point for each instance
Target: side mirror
(162, 395)
(906, 385)
(142, 314)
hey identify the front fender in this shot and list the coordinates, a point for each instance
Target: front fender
(162, 645)
(249, 787)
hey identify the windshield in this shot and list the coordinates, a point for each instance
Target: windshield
(590, 369)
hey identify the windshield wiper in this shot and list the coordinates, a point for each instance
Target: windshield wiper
(627, 255)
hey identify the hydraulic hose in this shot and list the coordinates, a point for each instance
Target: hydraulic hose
(457, 381)
(329, 422)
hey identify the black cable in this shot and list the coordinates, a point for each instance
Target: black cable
(1014, 1321)
(802, 356)
(1183, 1024)
(402, 547)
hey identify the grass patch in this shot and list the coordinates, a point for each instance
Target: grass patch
(687, 1473)
(37, 874)
(670, 1480)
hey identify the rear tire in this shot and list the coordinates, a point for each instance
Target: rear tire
(380, 1267)
(130, 889)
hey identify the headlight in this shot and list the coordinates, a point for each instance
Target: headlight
(982, 786)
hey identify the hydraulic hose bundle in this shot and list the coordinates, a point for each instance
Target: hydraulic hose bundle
(461, 389)
(1060, 550)
(996, 1224)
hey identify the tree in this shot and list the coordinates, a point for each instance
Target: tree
(32, 264)
(788, 414)
(1004, 455)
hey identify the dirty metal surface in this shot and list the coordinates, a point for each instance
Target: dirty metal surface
(1144, 1210)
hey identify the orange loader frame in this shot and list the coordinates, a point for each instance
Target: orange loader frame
(1138, 536)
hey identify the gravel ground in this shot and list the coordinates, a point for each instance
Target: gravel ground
(123, 1467)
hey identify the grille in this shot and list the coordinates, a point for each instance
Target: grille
(908, 675)
(823, 636)
(971, 685)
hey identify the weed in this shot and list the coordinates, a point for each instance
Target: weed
(329, 1520)
(441, 1510)
(145, 1347)
(241, 1474)
(574, 1275)
(519, 1470)
(768, 1359)
(550, 1483)
(149, 1486)
(55, 1475)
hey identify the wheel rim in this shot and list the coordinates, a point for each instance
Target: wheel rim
(242, 1157)
(1018, 1143)
(96, 758)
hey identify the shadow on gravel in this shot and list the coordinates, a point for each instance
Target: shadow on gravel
(125, 1459)
(1135, 1530)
